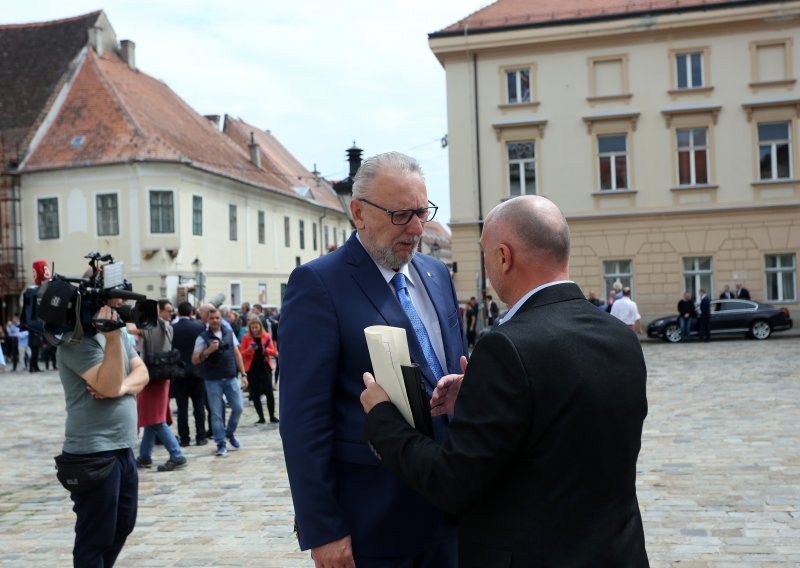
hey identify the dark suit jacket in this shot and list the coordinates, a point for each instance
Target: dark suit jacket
(743, 293)
(184, 335)
(540, 459)
(705, 307)
(338, 485)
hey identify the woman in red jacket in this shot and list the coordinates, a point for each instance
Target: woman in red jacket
(256, 348)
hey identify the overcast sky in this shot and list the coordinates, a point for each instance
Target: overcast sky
(319, 74)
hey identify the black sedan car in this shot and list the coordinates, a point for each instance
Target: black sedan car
(728, 317)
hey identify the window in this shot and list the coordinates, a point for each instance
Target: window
(262, 228)
(325, 238)
(774, 150)
(521, 168)
(781, 277)
(302, 234)
(689, 70)
(692, 156)
(197, 215)
(314, 235)
(47, 212)
(697, 275)
(107, 214)
(335, 240)
(518, 86)
(344, 236)
(613, 161)
(233, 224)
(286, 233)
(236, 294)
(617, 271)
(162, 212)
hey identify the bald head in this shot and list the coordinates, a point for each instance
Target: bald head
(534, 224)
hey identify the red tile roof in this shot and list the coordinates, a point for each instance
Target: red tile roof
(33, 61)
(529, 13)
(114, 114)
(276, 159)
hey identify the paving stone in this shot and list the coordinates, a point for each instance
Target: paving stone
(718, 475)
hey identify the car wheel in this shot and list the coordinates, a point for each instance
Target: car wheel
(672, 333)
(760, 329)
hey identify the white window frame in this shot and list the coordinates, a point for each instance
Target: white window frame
(695, 277)
(613, 156)
(99, 220)
(150, 194)
(519, 164)
(777, 272)
(614, 270)
(692, 150)
(235, 288)
(42, 218)
(518, 73)
(688, 68)
(773, 148)
(197, 215)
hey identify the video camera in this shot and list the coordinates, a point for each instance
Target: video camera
(67, 306)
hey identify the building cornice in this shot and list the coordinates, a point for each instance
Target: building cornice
(617, 27)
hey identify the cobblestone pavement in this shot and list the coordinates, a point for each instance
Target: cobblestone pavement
(718, 476)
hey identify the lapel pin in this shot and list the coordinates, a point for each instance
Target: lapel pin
(429, 275)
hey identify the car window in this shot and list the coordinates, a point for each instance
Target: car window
(729, 305)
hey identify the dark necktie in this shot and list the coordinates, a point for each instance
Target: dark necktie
(400, 287)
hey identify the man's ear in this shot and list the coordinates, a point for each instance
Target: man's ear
(356, 211)
(505, 257)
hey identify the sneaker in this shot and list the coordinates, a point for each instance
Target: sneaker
(221, 451)
(234, 442)
(144, 462)
(172, 464)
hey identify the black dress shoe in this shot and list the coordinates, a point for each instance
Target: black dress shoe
(274, 420)
(261, 421)
(202, 441)
(185, 443)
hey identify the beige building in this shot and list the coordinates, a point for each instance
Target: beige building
(116, 162)
(666, 130)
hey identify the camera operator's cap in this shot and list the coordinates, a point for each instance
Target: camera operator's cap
(55, 302)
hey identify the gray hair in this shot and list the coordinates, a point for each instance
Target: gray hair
(362, 184)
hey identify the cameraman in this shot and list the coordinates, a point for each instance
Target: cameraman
(217, 350)
(101, 374)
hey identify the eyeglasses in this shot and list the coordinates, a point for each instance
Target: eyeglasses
(404, 216)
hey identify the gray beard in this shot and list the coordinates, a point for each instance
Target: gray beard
(386, 258)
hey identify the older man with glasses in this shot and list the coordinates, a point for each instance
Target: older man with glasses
(349, 509)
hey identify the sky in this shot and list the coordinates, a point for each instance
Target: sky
(318, 74)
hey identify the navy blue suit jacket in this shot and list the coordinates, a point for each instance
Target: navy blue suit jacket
(338, 486)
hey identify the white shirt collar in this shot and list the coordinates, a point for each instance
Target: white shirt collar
(388, 273)
(515, 308)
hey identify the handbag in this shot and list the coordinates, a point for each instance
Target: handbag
(79, 474)
(164, 365)
(161, 360)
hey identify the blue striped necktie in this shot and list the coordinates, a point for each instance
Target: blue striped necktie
(400, 287)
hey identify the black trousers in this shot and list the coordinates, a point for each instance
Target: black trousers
(184, 390)
(704, 328)
(106, 514)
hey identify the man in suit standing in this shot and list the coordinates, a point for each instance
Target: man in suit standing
(726, 293)
(191, 386)
(540, 460)
(741, 292)
(349, 509)
(704, 318)
(492, 311)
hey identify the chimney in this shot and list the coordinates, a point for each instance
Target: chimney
(127, 50)
(255, 153)
(354, 157)
(213, 119)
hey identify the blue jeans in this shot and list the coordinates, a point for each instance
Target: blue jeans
(686, 326)
(233, 394)
(106, 514)
(165, 435)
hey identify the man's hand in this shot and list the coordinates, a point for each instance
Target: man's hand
(213, 346)
(373, 394)
(108, 313)
(244, 382)
(336, 554)
(443, 399)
